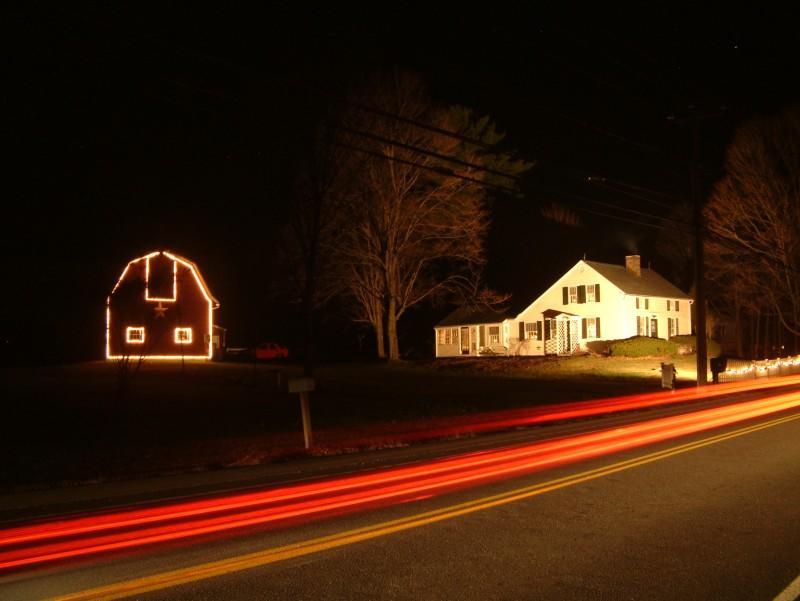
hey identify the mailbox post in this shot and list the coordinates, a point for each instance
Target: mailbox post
(302, 386)
(668, 373)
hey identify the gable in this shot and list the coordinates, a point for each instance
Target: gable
(578, 274)
(162, 275)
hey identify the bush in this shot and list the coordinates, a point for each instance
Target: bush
(688, 345)
(599, 347)
(642, 346)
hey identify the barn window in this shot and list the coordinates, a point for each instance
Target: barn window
(183, 335)
(494, 334)
(134, 335)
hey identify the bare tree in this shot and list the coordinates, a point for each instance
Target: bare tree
(416, 222)
(753, 217)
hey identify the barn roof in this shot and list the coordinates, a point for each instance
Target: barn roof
(180, 259)
(197, 272)
(649, 283)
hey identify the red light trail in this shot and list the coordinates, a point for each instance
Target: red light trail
(76, 537)
(512, 418)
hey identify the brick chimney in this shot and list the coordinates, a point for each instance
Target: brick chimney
(633, 264)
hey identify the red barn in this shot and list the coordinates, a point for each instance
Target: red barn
(160, 308)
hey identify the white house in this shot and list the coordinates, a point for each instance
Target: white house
(591, 301)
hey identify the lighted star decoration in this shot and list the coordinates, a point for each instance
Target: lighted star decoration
(160, 310)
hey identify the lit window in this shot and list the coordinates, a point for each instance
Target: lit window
(590, 293)
(530, 331)
(494, 334)
(134, 335)
(591, 327)
(183, 335)
(573, 294)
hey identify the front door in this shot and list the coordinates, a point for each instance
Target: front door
(563, 336)
(653, 327)
(465, 341)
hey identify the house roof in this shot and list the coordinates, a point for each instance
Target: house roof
(464, 316)
(649, 283)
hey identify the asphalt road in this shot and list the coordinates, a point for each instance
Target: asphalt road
(715, 521)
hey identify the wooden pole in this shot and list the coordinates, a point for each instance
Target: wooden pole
(305, 410)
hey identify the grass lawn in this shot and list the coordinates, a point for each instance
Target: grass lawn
(70, 424)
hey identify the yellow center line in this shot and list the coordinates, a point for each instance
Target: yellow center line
(173, 578)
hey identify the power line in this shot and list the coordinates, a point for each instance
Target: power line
(632, 211)
(439, 170)
(603, 183)
(425, 151)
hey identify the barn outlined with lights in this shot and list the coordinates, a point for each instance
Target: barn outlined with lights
(161, 308)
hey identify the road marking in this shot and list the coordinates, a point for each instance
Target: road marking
(791, 592)
(204, 571)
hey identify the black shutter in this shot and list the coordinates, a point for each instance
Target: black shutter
(597, 327)
(647, 304)
(597, 293)
(583, 327)
(547, 325)
(581, 294)
(481, 335)
(522, 330)
(539, 330)
(565, 295)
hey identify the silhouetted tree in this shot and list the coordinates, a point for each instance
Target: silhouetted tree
(753, 218)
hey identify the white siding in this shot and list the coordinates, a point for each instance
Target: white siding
(610, 308)
(657, 309)
(616, 310)
(478, 345)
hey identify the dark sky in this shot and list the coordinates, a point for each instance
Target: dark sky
(139, 129)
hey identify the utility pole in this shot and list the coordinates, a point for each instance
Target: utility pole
(694, 120)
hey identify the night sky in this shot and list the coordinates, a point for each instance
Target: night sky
(134, 130)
